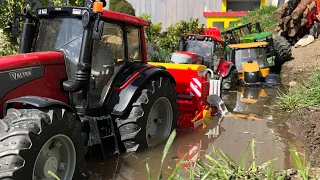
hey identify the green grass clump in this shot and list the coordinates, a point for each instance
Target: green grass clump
(305, 94)
(262, 15)
(218, 165)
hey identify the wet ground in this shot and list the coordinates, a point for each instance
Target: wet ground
(250, 117)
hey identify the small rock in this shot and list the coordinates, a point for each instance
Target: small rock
(291, 172)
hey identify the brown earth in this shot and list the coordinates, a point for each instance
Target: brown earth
(305, 59)
(304, 123)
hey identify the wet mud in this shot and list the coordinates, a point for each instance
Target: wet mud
(305, 125)
(249, 117)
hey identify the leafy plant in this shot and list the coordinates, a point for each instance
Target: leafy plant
(163, 43)
(305, 94)
(219, 165)
(262, 15)
(122, 6)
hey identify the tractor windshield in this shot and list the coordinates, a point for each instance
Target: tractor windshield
(203, 48)
(252, 54)
(62, 34)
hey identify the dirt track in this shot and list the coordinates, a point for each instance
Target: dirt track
(305, 59)
(304, 123)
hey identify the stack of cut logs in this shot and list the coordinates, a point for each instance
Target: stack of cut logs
(293, 16)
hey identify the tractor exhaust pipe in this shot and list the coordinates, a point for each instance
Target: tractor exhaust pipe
(83, 67)
(28, 28)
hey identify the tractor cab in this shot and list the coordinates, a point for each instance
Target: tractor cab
(206, 49)
(251, 62)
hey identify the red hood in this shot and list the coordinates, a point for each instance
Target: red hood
(30, 59)
(192, 55)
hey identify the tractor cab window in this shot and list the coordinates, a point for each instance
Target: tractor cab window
(202, 48)
(108, 50)
(134, 44)
(252, 54)
(62, 34)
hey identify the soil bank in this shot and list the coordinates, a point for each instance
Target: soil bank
(304, 122)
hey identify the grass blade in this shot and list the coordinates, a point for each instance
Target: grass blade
(148, 171)
(165, 151)
(243, 159)
(177, 168)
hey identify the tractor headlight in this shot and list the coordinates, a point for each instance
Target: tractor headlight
(76, 11)
(43, 11)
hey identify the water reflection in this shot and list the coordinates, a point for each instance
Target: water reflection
(249, 117)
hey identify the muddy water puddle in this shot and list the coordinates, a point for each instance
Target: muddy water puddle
(249, 117)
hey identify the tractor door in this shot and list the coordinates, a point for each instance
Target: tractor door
(119, 45)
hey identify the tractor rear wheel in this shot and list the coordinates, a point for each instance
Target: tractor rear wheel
(153, 116)
(38, 145)
(282, 49)
(231, 81)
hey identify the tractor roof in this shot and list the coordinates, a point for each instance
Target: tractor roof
(255, 36)
(248, 45)
(202, 37)
(121, 17)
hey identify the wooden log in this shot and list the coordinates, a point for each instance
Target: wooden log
(300, 8)
(293, 31)
(312, 10)
(303, 22)
(286, 19)
(279, 13)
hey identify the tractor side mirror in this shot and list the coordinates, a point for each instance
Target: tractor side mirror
(97, 32)
(181, 43)
(15, 26)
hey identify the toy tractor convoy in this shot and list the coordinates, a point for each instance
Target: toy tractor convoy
(81, 82)
(244, 33)
(207, 49)
(251, 62)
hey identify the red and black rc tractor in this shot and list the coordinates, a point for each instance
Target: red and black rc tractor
(81, 82)
(207, 49)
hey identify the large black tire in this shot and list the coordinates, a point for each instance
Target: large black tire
(282, 49)
(231, 81)
(133, 127)
(24, 132)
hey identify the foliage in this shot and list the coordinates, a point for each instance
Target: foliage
(221, 166)
(305, 94)
(122, 6)
(5, 46)
(170, 38)
(153, 31)
(166, 42)
(9, 43)
(262, 15)
(112, 4)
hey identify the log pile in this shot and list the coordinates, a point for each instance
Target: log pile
(292, 17)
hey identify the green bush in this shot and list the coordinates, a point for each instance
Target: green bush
(304, 95)
(167, 41)
(112, 4)
(9, 43)
(262, 15)
(121, 6)
(125, 7)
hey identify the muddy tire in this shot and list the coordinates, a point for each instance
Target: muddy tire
(153, 114)
(34, 141)
(231, 81)
(282, 49)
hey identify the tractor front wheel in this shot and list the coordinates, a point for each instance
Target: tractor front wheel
(231, 81)
(153, 116)
(39, 145)
(282, 49)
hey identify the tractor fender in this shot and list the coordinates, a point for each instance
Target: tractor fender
(225, 68)
(36, 101)
(120, 101)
